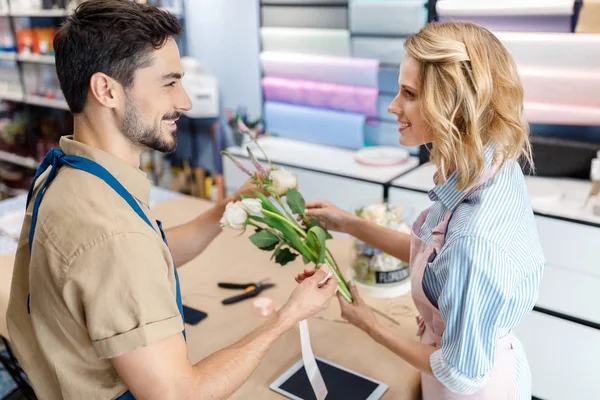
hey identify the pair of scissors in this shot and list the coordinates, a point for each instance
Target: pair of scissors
(250, 290)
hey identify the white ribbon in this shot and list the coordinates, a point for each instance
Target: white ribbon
(310, 364)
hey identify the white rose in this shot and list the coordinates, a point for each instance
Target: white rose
(253, 207)
(283, 180)
(235, 216)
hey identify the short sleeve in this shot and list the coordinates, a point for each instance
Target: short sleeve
(480, 279)
(121, 290)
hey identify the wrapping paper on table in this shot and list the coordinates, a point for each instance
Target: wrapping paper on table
(380, 133)
(537, 113)
(305, 17)
(589, 17)
(386, 50)
(340, 70)
(388, 80)
(322, 95)
(558, 86)
(332, 42)
(387, 17)
(333, 128)
(552, 50)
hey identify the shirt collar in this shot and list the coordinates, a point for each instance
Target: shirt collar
(133, 179)
(448, 192)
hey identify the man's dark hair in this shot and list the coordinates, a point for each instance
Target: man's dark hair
(115, 37)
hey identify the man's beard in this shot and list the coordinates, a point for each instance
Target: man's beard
(144, 136)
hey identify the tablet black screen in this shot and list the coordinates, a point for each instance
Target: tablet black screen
(340, 384)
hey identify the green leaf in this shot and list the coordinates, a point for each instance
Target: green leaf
(305, 260)
(245, 196)
(285, 256)
(264, 240)
(296, 202)
(267, 205)
(318, 237)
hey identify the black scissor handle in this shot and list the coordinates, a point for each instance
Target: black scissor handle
(240, 297)
(236, 285)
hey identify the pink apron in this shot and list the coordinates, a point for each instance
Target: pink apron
(431, 326)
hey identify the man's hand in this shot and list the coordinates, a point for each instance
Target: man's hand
(248, 189)
(309, 298)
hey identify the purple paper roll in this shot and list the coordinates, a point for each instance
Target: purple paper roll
(518, 23)
(340, 70)
(361, 100)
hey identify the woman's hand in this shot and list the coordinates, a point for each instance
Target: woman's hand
(357, 313)
(329, 216)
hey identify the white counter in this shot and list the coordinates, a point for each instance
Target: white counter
(560, 198)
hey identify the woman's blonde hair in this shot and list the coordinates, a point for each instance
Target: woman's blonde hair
(471, 94)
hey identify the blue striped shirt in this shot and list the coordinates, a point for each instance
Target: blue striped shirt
(486, 276)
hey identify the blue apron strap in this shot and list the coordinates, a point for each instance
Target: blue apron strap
(56, 158)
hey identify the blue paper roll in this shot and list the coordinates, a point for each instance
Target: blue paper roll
(388, 80)
(382, 105)
(316, 125)
(386, 134)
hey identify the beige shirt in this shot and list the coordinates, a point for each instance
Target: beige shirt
(101, 280)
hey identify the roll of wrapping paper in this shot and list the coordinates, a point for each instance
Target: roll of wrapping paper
(303, 2)
(511, 15)
(340, 70)
(386, 50)
(589, 17)
(382, 105)
(388, 80)
(331, 42)
(333, 128)
(387, 17)
(560, 86)
(322, 95)
(519, 23)
(537, 113)
(552, 50)
(456, 8)
(380, 133)
(328, 17)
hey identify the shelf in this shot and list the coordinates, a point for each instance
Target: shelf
(18, 160)
(35, 58)
(44, 102)
(4, 55)
(12, 192)
(18, 97)
(39, 13)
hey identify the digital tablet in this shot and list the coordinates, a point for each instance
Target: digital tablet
(342, 383)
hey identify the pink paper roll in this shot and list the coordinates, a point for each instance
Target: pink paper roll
(561, 86)
(360, 100)
(536, 113)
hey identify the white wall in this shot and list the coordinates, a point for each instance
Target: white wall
(223, 34)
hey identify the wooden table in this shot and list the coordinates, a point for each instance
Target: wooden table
(231, 258)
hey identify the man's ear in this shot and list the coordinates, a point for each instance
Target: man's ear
(105, 90)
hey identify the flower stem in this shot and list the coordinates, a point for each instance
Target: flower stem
(281, 218)
(263, 152)
(278, 199)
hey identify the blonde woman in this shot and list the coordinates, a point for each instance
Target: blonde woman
(476, 260)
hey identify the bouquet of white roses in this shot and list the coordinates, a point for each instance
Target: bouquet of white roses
(276, 229)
